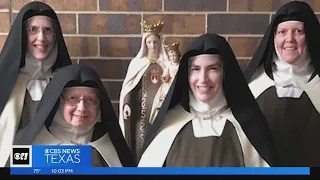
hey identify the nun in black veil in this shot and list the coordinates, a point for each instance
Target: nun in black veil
(76, 110)
(209, 117)
(284, 78)
(33, 51)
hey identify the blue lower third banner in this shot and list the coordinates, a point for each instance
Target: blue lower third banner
(163, 171)
(50, 156)
(77, 160)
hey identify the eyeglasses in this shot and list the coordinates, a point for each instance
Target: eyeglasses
(73, 101)
(33, 30)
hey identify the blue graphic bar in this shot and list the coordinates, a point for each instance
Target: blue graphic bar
(163, 171)
(50, 156)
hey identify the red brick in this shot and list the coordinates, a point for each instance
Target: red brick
(72, 5)
(4, 4)
(18, 4)
(109, 24)
(195, 5)
(238, 23)
(113, 88)
(5, 22)
(3, 39)
(244, 46)
(108, 68)
(255, 5)
(68, 23)
(119, 46)
(179, 23)
(130, 5)
(82, 46)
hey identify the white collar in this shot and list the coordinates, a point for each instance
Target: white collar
(209, 120)
(39, 73)
(288, 78)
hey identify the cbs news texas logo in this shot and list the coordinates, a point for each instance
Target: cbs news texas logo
(21, 156)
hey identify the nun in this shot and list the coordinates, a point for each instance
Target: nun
(283, 76)
(33, 51)
(209, 117)
(76, 110)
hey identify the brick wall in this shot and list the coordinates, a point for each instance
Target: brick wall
(106, 34)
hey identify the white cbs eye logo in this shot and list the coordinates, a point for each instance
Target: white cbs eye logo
(20, 156)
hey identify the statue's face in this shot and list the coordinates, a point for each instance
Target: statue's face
(153, 43)
(173, 56)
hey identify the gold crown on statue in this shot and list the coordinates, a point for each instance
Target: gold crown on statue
(173, 47)
(153, 28)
